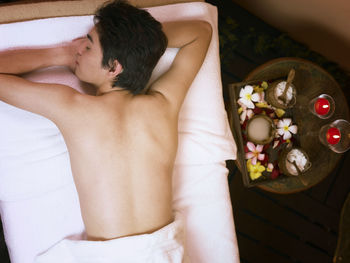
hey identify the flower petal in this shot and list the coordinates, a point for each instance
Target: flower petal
(281, 131)
(243, 116)
(250, 104)
(293, 129)
(250, 113)
(287, 121)
(242, 93)
(249, 155)
(262, 96)
(259, 148)
(264, 85)
(255, 97)
(287, 135)
(261, 104)
(261, 156)
(261, 168)
(254, 160)
(248, 89)
(280, 124)
(254, 175)
(280, 113)
(269, 167)
(251, 146)
(243, 102)
(249, 165)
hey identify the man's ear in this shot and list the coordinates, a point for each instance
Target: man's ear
(115, 68)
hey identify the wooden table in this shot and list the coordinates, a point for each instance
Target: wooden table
(310, 81)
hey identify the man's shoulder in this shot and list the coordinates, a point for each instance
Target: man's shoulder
(150, 98)
(152, 106)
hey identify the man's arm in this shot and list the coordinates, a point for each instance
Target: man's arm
(26, 60)
(43, 99)
(193, 39)
(21, 61)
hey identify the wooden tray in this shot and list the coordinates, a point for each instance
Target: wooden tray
(240, 136)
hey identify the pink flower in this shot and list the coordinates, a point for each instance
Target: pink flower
(246, 113)
(270, 167)
(255, 152)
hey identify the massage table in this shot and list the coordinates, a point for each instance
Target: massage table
(39, 205)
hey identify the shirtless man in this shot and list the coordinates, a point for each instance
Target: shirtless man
(122, 161)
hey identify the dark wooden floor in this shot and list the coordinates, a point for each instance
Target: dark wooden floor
(300, 227)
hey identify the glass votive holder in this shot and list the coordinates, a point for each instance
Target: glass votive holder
(260, 129)
(322, 106)
(336, 135)
(293, 161)
(275, 91)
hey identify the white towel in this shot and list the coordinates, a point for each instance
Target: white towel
(163, 246)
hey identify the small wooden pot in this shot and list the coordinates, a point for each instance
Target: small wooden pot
(283, 159)
(253, 124)
(273, 100)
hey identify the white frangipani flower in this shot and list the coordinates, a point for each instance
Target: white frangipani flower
(247, 97)
(285, 128)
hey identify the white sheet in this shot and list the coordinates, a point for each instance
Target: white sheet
(39, 204)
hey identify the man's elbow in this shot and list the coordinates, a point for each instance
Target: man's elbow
(205, 30)
(204, 27)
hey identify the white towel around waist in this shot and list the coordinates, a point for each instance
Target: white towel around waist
(162, 246)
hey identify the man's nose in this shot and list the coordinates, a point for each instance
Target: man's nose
(81, 48)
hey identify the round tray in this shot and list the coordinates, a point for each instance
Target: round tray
(310, 81)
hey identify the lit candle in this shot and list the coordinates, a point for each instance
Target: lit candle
(333, 135)
(322, 106)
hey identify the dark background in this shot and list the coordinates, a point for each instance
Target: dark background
(301, 227)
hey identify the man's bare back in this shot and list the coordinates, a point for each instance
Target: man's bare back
(122, 159)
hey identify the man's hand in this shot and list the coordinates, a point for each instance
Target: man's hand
(71, 52)
(26, 60)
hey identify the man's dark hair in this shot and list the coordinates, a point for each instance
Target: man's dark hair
(134, 38)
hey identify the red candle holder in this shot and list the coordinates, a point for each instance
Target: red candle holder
(336, 135)
(322, 106)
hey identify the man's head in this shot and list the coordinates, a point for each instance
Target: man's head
(133, 38)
